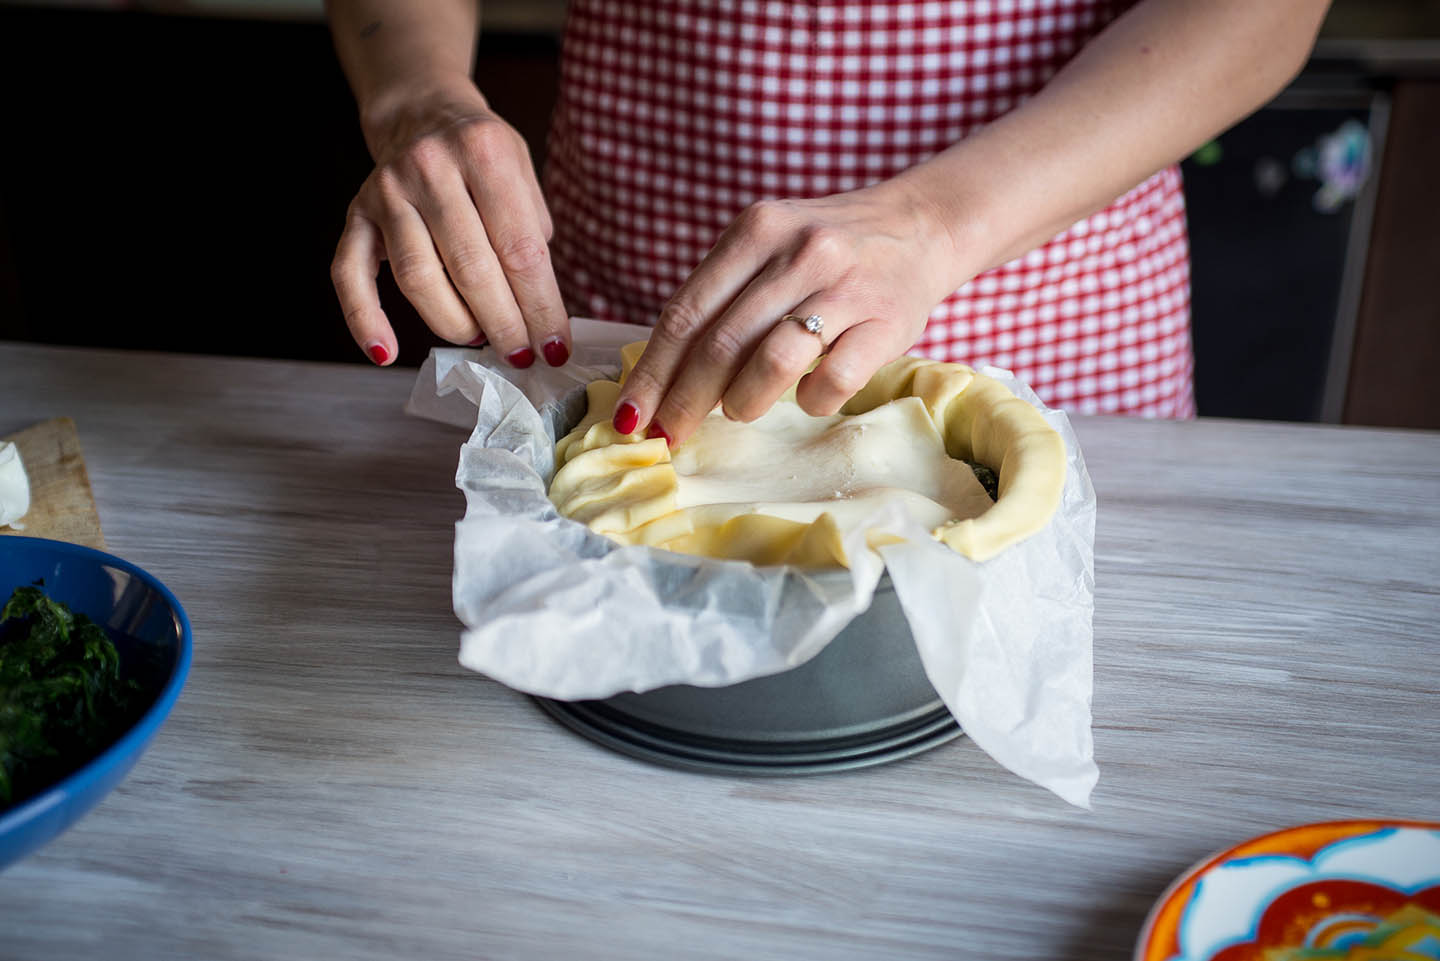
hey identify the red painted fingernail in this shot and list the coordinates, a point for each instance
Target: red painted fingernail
(378, 353)
(521, 358)
(655, 430)
(480, 341)
(555, 351)
(627, 418)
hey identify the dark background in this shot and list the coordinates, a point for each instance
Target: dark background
(179, 182)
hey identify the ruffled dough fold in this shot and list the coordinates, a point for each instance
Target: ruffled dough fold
(626, 487)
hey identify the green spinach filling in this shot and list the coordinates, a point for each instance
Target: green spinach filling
(62, 696)
(988, 478)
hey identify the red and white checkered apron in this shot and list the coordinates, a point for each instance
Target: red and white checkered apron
(674, 115)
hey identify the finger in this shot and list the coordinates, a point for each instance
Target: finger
(518, 238)
(421, 276)
(726, 348)
(726, 271)
(542, 210)
(779, 360)
(851, 361)
(471, 265)
(353, 271)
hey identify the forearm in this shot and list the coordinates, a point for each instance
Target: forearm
(1158, 82)
(397, 52)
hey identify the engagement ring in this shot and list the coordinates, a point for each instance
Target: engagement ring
(813, 323)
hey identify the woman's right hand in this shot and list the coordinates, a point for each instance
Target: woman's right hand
(454, 206)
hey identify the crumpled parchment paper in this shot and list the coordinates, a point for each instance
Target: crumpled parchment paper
(553, 609)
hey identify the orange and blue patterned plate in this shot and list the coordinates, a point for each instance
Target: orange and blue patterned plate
(1338, 891)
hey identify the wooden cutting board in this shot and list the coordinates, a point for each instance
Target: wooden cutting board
(62, 505)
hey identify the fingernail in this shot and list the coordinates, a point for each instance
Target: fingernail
(555, 351)
(377, 353)
(521, 358)
(480, 341)
(627, 418)
(655, 430)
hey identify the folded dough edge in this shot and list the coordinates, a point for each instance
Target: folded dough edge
(624, 486)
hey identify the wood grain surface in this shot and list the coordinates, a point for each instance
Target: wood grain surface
(62, 506)
(333, 785)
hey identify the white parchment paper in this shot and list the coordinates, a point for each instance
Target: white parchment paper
(553, 609)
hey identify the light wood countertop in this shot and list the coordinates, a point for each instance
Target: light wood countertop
(332, 784)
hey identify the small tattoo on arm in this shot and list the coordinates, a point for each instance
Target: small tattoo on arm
(369, 28)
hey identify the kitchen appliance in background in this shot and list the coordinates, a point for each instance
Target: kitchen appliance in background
(1280, 209)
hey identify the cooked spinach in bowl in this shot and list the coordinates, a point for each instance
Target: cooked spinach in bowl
(63, 697)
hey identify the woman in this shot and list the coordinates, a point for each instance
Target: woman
(776, 182)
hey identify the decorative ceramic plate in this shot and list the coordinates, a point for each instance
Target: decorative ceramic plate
(1343, 890)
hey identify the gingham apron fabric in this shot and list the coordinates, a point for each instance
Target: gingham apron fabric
(674, 115)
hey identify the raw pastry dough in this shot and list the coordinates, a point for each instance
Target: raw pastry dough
(786, 487)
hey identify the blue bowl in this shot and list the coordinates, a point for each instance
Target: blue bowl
(121, 597)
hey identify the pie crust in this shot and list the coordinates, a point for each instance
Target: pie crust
(786, 488)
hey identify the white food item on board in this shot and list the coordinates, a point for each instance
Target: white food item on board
(14, 486)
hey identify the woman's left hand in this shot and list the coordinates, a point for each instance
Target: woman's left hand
(871, 264)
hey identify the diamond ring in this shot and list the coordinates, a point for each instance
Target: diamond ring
(813, 323)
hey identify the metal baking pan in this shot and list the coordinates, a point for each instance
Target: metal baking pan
(863, 700)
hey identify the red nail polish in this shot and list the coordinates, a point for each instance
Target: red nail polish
(655, 430)
(480, 341)
(378, 353)
(521, 358)
(627, 418)
(555, 351)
